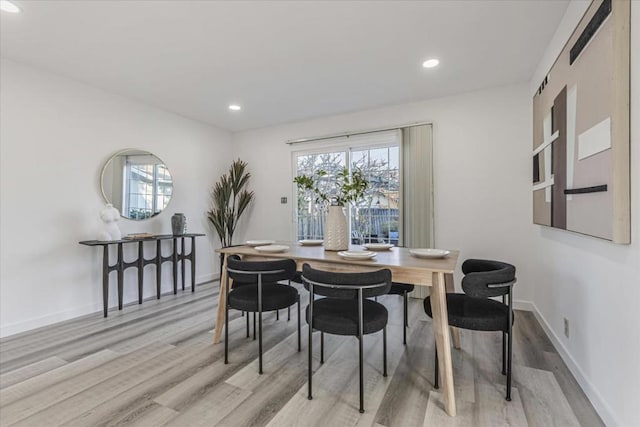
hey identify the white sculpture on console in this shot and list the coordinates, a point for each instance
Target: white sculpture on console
(110, 216)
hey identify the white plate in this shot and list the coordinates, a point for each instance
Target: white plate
(254, 243)
(429, 253)
(311, 242)
(272, 248)
(378, 246)
(356, 254)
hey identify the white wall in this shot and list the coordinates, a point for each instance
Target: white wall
(593, 283)
(55, 136)
(482, 171)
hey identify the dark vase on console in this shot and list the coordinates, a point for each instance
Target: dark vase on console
(178, 224)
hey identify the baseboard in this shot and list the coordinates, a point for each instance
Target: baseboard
(523, 305)
(61, 316)
(206, 278)
(594, 397)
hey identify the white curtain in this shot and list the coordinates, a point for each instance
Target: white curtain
(417, 191)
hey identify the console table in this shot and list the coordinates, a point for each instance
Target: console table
(121, 265)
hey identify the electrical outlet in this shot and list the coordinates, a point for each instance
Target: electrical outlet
(566, 327)
(283, 200)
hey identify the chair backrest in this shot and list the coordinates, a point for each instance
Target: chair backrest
(486, 278)
(345, 285)
(286, 270)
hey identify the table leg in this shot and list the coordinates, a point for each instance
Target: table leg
(174, 259)
(455, 332)
(120, 276)
(105, 279)
(443, 340)
(193, 264)
(182, 261)
(222, 302)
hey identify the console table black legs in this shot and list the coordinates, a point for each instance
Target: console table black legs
(176, 256)
(105, 279)
(182, 256)
(158, 267)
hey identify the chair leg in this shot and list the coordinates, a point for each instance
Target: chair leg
(436, 370)
(247, 319)
(406, 319)
(299, 326)
(504, 344)
(260, 340)
(321, 347)
(509, 367)
(254, 325)
(509, 344)
(277, 314)
(360, 347)
(504, 353)
(384, 352)
(289, 311)
(310, 349)
(361, 372)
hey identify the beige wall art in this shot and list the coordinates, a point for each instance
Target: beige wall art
(581, 129)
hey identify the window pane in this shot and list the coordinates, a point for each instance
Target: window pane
(311, 215)
(394, 158)
(379, 158)
(375, 218)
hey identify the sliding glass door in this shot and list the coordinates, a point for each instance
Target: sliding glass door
(375, 217)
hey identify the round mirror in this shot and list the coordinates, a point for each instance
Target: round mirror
(137, 183)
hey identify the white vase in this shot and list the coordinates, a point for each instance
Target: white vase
(336, 233)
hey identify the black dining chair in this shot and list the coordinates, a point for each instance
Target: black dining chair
(475, 310)
(256, 290)
(346, 310)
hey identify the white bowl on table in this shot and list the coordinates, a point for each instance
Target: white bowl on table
(429, 253)
(356, 255)
(378, 246)
(254, 243)
(272, 249)
(311, 242)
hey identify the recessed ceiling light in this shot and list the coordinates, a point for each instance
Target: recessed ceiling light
(234, 107)
(430, 63)
(7, 6)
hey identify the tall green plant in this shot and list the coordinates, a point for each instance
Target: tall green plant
(229, 200)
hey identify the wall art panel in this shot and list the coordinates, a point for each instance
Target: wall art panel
(581, 129)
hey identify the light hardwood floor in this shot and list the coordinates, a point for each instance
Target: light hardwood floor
(155, 364)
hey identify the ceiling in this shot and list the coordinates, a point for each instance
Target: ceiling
(281, 61)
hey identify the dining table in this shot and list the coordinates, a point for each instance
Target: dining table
(436, 273)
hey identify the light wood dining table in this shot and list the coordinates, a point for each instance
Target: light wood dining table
(405, 268)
